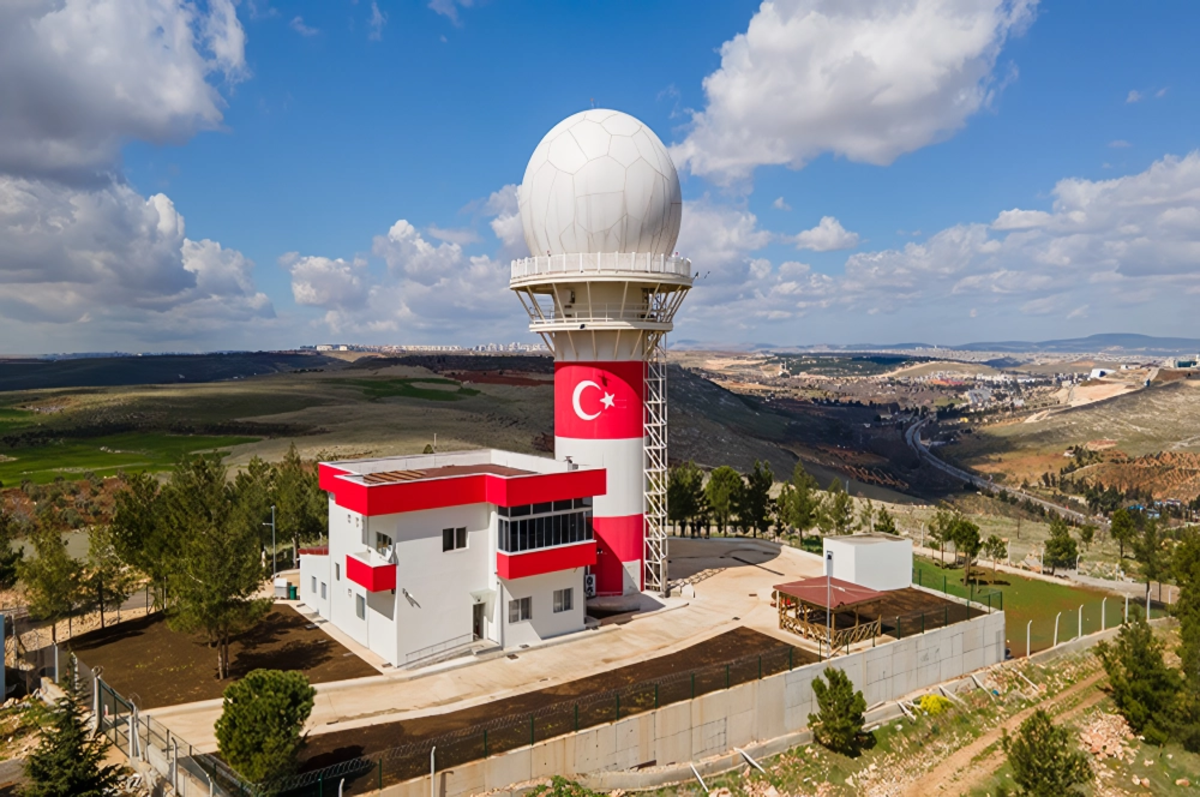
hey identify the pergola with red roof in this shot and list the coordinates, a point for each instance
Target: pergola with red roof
(805, 606)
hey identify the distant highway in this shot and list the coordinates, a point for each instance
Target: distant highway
(912, 436)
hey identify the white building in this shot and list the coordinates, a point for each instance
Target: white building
(432, 553)
(878, 561)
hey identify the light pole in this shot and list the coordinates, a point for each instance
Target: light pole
(829, 599)
(1080, 626)
(1103, 616)
(1028, 628)
(1056, 618)
(272, 525)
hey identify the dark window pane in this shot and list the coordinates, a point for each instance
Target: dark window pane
(447, 539)
(518, 511)
(460, 537)
(561, 506)
(540, 508)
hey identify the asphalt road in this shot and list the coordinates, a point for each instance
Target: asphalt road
(912, 435)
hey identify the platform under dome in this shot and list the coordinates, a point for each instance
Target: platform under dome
(599, 182)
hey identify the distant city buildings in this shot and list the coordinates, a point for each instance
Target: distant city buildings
(427, 348)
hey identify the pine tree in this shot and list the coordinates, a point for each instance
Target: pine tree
(1043, 760)
(1122, 530)
(884, 522)
(108, 581)
(68, 759)
(52, 579)
(756, 498)
(10, 556)
(836, 512)
(259, 729)
(722, 489)
(219, 567)
(1061, 550)
(996, 549)
(838, 723)
(301, 506)
(141, 537)
(1143, 688)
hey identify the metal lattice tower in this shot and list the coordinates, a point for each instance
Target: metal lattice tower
(655, 446)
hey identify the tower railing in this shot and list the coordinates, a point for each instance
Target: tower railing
(599, 262)
(655, 444)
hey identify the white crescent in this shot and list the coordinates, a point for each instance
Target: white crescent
(575, 400)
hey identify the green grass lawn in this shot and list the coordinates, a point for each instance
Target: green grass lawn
(11, 419)
(375, 389)
(104, 456)
(1029, 599)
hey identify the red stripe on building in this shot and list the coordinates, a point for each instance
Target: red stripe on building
(373, 579)
(386, 499)
(550, 560)
(598, 400)
(620, 540)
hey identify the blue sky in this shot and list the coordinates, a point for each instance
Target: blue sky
(218, 175)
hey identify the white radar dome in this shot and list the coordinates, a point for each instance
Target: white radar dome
(600, 181)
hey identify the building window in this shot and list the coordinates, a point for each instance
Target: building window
(337, 572)
(314, 583)
(454, 539)
(360, 607)
(323, 590)
(563, 523)
(520, 610)
(564, 599)
(382, 543)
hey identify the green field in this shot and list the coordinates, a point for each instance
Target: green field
(375, 389)
(1029, 599)
(11, 419)
(104, 456)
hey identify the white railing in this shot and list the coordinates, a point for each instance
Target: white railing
(600, 312)
(598, 262)
(424, 654)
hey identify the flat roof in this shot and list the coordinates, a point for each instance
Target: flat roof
(869, 538)
(393, 476)
(840, 594)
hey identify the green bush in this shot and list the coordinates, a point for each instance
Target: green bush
(258, 733)
(838, 723)
(1043, 761)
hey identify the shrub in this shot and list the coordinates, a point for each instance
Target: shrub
(258, 732)
(934, 705)
(68, 759)
(1145, 690)
(838, 723)
(1043, 761)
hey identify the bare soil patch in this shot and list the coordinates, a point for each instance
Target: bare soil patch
(728, 659)
(154, 666)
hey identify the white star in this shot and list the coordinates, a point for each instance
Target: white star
(607, 401)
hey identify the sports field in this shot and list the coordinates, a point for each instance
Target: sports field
(1028, 599)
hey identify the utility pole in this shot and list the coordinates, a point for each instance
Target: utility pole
(272, 525)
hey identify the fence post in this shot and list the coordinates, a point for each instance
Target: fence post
(381, 760)
(618, 705)
(922, 622)
(530, 730)
(485, 755)
(899, 635)
(946, 617)
(656, 694)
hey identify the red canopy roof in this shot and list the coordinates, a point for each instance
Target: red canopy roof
(842, 594)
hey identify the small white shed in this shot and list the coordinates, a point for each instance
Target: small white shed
(876, 561)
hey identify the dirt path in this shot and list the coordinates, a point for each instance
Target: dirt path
(963, 772)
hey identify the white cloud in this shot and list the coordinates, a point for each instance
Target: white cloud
(114, 259)
(449, 8)
(1119, 143)
(297, 24)
(1134, 96)
(377, 22)
(868, 80)
(827, 236)
(455, 235)
(781, 204)
(506, 224)
(80, 77)
(1161, 93)
(1126, 247)
(1017, 219)
(424, 290)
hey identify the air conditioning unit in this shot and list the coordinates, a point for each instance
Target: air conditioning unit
(589, 586)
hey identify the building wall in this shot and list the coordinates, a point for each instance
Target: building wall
(719, 721)
(880, 565)
(545, 623)
(314, 569)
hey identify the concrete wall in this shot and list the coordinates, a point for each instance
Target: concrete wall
(714, 723)
(313, 570)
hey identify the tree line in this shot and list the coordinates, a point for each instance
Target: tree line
(728, 500)
(197, 542)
